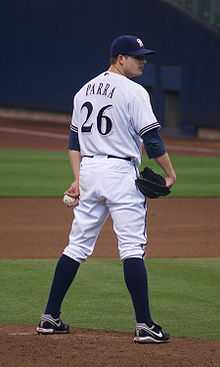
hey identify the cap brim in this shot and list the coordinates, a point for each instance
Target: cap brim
(141, 51)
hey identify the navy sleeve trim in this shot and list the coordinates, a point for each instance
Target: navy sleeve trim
(73, 141)
(147, 128)
(153, 144)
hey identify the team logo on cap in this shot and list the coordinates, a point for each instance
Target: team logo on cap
(140, 42)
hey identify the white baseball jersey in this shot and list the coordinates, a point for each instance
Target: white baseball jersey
(110, 114)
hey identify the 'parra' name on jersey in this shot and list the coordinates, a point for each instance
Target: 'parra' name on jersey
(101, 88)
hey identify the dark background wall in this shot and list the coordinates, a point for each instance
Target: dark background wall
(49, 48)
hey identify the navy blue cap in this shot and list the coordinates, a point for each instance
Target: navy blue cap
(128, 45)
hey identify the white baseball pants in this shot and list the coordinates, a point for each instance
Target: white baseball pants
(107, 186)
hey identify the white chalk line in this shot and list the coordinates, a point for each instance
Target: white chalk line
(76, 335)
(55, 117)
(192, 149)
(21, 333)
(33, 133)
(65, 136)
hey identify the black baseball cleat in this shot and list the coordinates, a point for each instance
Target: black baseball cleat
(48, 325)
(155, 334)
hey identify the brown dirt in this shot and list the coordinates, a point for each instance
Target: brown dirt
(38, 228)
(102, 348)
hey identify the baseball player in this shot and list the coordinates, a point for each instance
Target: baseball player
(112, 117)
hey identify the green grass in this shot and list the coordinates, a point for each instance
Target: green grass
(196, 176)
(184, 295)
(34, 173)
(47, 174)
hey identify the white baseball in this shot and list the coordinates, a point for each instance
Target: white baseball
(68, 201)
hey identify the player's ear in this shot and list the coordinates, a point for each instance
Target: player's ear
(120, 59)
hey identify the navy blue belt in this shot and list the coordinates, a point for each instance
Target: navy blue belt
(109, 156)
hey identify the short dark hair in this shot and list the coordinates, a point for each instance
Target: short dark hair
(113, 60)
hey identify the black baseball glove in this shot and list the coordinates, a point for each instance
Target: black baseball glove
(151, 184)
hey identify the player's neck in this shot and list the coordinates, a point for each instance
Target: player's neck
(117, 70)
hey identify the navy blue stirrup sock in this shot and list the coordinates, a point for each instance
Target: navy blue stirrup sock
(135, 276)
(65, 272)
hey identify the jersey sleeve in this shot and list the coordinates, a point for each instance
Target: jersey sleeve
(143, 116)
(74, 119)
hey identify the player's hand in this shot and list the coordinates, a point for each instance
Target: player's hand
(71, 195)
(73, 190)
(170, 181)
